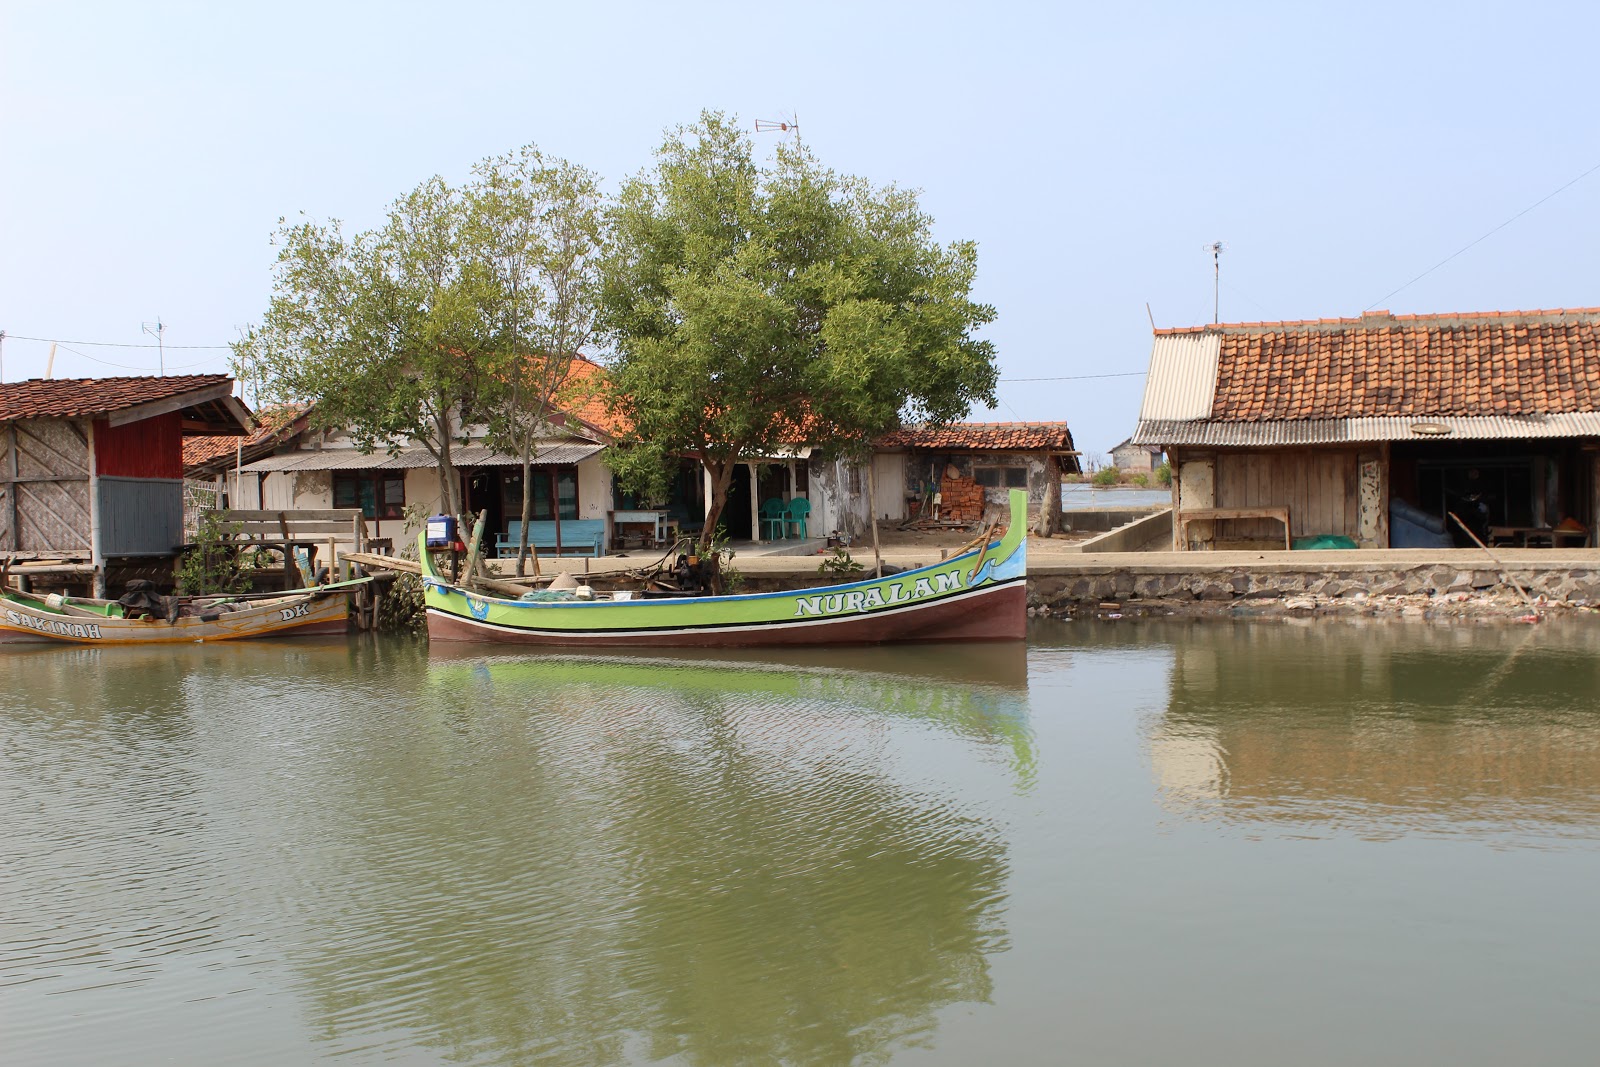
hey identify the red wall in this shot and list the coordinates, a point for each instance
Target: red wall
(149, 448)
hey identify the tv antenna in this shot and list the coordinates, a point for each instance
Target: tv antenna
(1216, 248)
(788, 125)
(156, 329)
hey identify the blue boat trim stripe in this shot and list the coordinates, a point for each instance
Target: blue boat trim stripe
(445, 587)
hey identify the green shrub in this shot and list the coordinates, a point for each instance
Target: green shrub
(839, 565)
(732, 578)
(400, 608)
(1105, 476)
(1142, 480)
(215, 564)
(1164, 473)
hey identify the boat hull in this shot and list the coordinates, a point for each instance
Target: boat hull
(977, 596)
(23, 623)
(997, 613)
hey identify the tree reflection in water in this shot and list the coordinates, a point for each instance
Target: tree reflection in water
(581, 861)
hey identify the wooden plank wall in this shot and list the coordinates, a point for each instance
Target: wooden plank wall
(45, 476)
(1320, 487)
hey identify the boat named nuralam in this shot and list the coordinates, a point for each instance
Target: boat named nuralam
(977, 595)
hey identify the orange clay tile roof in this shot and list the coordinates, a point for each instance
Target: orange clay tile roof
(1503, 363)
(273, 427)
(961, 436)
(580, 395)
(67, 398)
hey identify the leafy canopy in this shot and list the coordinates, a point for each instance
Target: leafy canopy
(757, 307)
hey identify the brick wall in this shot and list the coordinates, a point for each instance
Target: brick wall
(962, 499)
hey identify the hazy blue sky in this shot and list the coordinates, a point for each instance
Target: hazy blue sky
(147, 151)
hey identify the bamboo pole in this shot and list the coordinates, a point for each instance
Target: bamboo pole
(1504, 574)
(477, 543)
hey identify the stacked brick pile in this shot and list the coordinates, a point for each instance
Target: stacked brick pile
(962, 499)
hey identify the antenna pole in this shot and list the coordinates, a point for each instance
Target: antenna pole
(155, 330)
(2, 355)
(1216, 283)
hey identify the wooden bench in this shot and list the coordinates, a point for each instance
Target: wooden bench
(1188, 515)
(580, 536)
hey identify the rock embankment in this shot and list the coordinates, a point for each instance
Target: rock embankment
(1430, 591)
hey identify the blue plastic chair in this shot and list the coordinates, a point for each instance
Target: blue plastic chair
(799, 508)
(772, 519)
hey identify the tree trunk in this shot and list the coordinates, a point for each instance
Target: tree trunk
(872, 510)
(1050, 508)
(449, 480)
(527, 513)
(721, 478)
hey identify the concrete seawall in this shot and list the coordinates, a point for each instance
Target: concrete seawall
(1406, 582)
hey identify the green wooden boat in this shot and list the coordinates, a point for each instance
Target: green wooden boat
(975, 596)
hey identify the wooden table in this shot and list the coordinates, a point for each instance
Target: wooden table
(655, 518)
(1522, 536)
(1188, 515)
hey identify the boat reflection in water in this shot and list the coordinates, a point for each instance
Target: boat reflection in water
(723, 858)
(1380, 730)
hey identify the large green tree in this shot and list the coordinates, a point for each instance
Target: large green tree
(754, 307)
(387, 332)
(536, 221)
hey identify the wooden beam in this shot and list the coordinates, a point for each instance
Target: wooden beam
(96, 556)
(291, 529)
(344, 515)
(26, 480)
(374, 562)
(140, 412)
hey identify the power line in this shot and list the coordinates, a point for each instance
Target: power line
(1485, 237)
(124, 366)
(1081, 377)
(106, 344)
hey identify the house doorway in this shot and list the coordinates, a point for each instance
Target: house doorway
(483, 494)
(736, 514)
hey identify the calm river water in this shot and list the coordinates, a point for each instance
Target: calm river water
(1127, 843)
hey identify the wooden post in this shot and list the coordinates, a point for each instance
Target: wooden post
(755, 505)
(11, 489)
(477, 539)
(96, 556)
(292, 579)
(555, 506)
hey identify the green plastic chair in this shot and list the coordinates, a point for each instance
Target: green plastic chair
(799, 508)
(772, 519)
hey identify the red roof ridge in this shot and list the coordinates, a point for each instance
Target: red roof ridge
(1380, 319)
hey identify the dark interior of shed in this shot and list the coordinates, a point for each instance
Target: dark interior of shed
(1523, 493)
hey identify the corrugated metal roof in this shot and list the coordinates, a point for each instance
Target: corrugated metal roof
(1337, 431)
(1183, 377)
(334, 459)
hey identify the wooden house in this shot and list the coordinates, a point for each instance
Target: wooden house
(297, 465)
(1140, 458)
(1377, 429)
(968, 466)
(92, 473)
